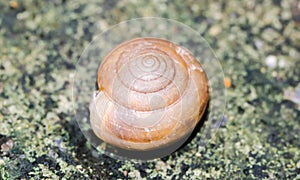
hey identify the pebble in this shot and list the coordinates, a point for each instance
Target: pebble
(215, 30)
(227, 82)
(282, 63)
(13, 4)
(293, 94)
(6, 146)
(271, 61)
(258, 43)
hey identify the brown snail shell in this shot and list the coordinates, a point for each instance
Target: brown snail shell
(152, 93)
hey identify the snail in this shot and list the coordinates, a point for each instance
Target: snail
(151, 93)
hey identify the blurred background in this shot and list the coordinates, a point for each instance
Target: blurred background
(257, 43)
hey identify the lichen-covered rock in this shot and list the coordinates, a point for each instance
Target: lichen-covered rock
(41, 42)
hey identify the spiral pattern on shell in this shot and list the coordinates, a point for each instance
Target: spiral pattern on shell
(152, 92)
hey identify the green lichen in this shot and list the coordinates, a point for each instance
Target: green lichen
(41, 42)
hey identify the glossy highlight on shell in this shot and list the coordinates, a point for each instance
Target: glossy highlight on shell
(152, 93)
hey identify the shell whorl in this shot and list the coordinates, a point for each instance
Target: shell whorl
(151, 93)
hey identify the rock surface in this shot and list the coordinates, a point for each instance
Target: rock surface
(41, 42)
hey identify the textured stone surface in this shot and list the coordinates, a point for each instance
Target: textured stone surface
(41, 42)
